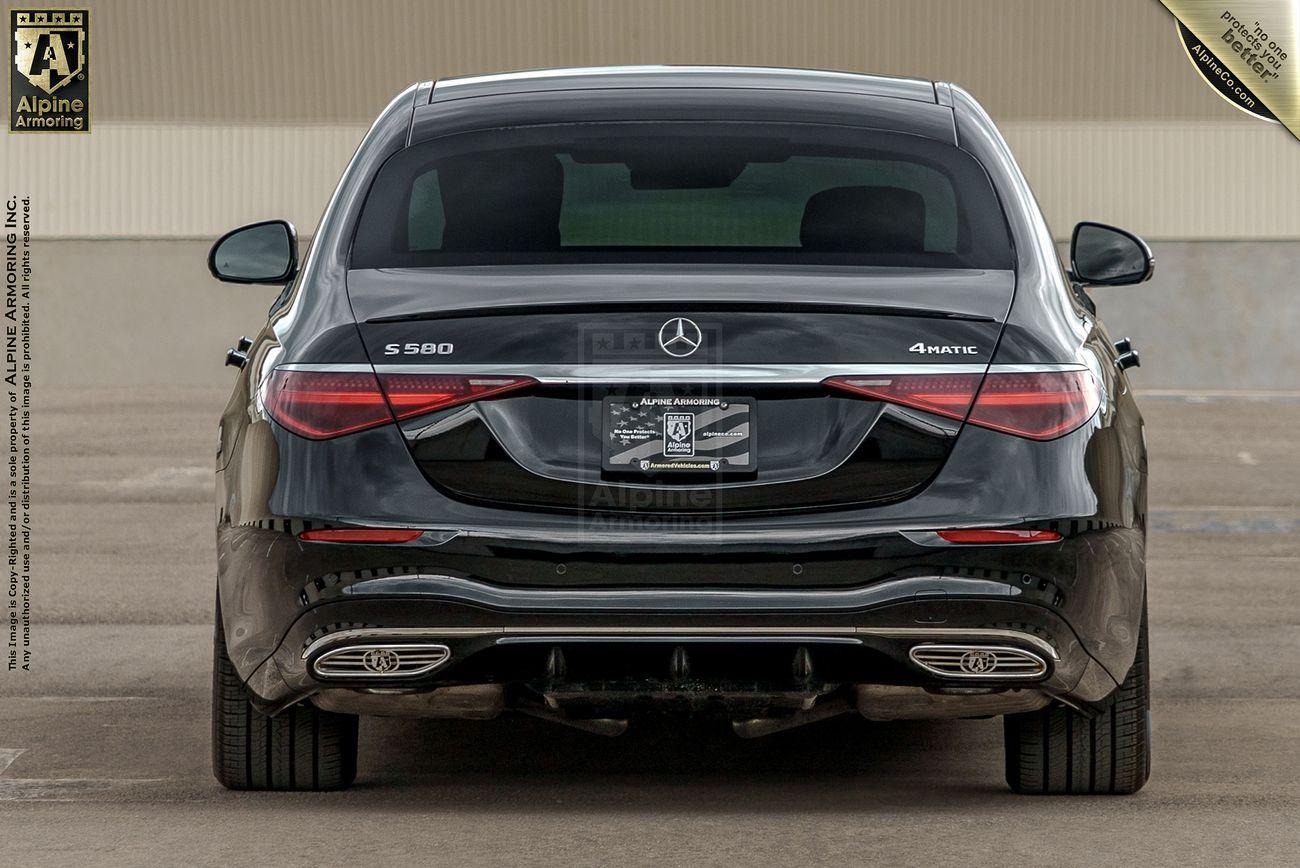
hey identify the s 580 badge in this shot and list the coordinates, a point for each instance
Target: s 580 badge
(427, 349)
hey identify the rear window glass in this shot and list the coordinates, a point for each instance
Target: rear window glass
(661, 192)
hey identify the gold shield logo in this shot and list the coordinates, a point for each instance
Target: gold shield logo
(50, 47)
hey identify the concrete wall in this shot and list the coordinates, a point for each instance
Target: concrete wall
(210, 114)
(339, 61)
(1217, 315)
(148, 180)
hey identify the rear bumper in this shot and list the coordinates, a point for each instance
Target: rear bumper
(622, 645)
(494, 586)
(860, 605)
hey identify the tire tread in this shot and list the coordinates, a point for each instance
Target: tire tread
(301, 748)
(1058, 750)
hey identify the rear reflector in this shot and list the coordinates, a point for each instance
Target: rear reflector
(986, 536)
(361, 535)
(319, 405)
(1038, 405)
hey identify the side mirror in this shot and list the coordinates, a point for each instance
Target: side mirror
(1103, 255)
(264, 252)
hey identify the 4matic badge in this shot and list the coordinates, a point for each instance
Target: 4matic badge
(943, 349)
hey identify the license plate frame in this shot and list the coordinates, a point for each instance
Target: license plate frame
(654, 434)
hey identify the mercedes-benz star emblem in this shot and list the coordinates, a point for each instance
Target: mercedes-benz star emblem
(680, 337)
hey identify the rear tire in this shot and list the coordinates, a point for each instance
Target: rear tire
(301, 748)
(1059, 751)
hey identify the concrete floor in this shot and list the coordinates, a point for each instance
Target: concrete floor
(106, 743)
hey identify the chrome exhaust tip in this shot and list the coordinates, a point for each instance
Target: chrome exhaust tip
(403, 660)
(990, 662)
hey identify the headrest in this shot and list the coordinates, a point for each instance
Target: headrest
(864, 220)
(493, 204)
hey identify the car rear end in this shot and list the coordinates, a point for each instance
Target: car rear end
(710, 399)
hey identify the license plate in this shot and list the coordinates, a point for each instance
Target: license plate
(658, 434)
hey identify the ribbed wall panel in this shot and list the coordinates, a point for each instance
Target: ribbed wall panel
(1170, 181)
(341, 60)
(176, 180)
(1164, 180)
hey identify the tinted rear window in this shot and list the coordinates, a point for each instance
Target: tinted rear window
(662, 192)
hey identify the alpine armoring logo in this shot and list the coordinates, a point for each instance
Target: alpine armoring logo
(381, 660)
(978, 662)
(49, 90)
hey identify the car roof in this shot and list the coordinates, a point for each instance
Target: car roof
(669, 76)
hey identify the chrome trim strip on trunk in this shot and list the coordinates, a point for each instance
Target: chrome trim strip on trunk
(616, 374)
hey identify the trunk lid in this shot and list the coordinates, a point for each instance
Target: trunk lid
(733, 360)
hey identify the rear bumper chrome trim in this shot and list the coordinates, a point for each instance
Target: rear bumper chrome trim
(615, 374)
(740, 634)
(671, 600)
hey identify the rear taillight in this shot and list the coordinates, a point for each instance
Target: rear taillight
(319, 405)
(1040, 405)
(945, 394)
(416, 394)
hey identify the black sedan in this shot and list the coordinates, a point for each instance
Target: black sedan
(752, 393)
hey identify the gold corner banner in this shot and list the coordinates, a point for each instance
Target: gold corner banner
(1247, 50)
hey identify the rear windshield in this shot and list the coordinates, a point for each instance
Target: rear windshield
(688, 192)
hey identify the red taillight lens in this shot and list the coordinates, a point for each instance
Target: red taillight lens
(985, 536)
(416, 394)
(945, 394)
(1038, 405)
(361, 535)
(319, 405)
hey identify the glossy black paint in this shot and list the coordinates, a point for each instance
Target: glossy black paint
(1084, 593)
(624, 332)
(819, 452)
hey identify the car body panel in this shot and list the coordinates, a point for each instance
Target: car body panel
(1083, 594)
